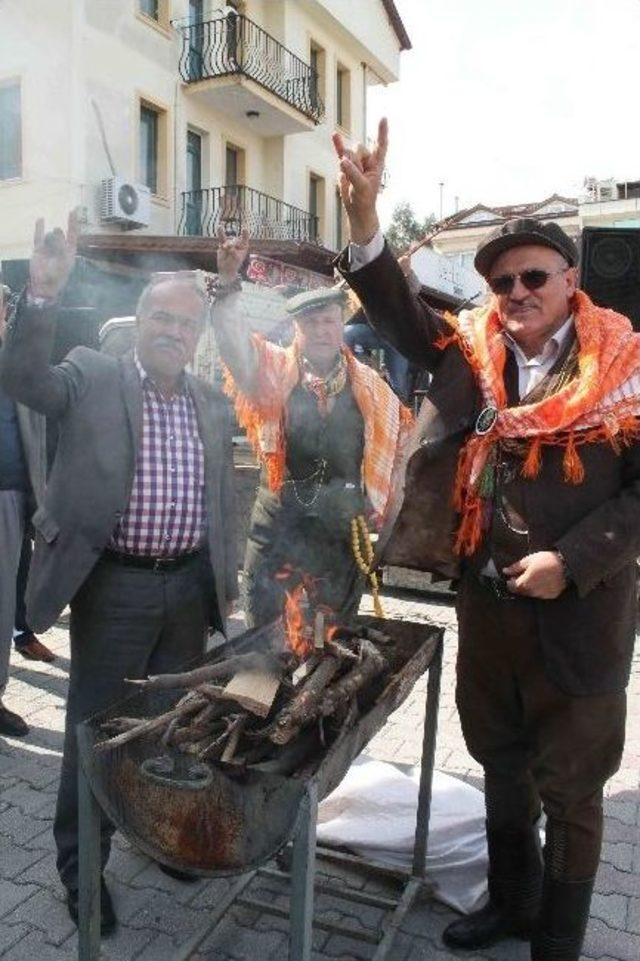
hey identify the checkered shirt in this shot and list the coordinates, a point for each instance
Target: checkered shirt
(166, 514)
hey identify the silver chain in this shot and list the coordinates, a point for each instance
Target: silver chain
(319, 473)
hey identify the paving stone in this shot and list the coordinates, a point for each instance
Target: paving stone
(601, 940)
(610, 908)
(48, 913)
(11, 934)
(16, 860)
(618, 855)
(239, 943)
(12, 894)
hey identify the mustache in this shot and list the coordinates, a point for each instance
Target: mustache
(163, 341)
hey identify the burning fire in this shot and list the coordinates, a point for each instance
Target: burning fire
(295, 623)
(304, 620)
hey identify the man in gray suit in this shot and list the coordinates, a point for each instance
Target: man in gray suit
(136, 530)
(22, 476)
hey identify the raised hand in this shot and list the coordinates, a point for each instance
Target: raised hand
(359, 182)
(232, 253)
(53, 258)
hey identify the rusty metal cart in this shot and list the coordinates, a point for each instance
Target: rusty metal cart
(211, 830)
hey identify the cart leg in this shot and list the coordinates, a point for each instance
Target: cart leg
(89, 870)
(303, 870)
(428, 761)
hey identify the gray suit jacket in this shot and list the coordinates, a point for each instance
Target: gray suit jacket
(97, 401)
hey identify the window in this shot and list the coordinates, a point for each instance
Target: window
(234, 165)
(150, 8)
(156, 10)
(149, 148)
(317, 61)
(340, 231)
(153, 148)
(193, 199)
(10, 131)
(343, 97)
(316, 205)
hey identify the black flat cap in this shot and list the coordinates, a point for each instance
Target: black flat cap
(521, 232)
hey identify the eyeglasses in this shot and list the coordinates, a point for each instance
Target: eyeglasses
(532, 279)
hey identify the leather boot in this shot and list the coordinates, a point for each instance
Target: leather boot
(515, 884)
(563, 920)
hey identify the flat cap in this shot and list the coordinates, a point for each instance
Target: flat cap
(310, 300)
(518, 233)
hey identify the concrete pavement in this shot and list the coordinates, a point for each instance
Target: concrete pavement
(158, 913)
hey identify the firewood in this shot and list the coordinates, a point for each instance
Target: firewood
(214, 748)
(345, 688)
(201, 675)
(150, 725)
(254, 690)
(118, 725)
(305, 706)
(234, 738)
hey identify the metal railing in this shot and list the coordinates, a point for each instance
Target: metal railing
(236, 206)
(232, 44)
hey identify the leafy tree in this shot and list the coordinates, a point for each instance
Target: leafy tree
(405, 229)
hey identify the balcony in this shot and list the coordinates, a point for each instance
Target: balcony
(236, 206)
(234, 66)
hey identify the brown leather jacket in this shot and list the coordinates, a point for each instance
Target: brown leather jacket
(587, 633)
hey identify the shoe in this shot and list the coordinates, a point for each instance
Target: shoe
(178, 875)
(483, 928)
(515, 888)
(108, 919)
(35, 650)
(11, 724)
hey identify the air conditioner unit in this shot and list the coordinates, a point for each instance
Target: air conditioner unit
(122, 202)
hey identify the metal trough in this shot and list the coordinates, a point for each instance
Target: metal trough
(238, 819)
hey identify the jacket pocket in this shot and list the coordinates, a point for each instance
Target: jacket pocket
(45, 525)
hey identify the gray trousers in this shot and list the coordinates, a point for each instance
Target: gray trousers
(125, 622)
(12, 521)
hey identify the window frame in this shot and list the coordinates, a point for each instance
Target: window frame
(163, 154)
(14, 174)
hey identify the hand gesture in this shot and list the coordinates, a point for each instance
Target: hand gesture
(541, 575)
(232, 253)
(359, 182)
(53, 258)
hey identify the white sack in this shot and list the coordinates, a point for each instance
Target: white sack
(373, 814)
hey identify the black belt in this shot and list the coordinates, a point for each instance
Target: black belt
(147, 563)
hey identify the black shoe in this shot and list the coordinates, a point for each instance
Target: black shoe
(515, 887)
(484, 928)
(12, 724)
(177, 875)
(108, 919)
(563, 920)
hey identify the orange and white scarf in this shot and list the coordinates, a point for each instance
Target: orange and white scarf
(387, 422)
(602, 403)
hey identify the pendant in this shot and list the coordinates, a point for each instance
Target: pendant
(486, 420)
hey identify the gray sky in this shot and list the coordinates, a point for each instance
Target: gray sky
(508, 101)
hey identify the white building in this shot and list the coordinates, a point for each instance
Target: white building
(446, 263)
(212, 113)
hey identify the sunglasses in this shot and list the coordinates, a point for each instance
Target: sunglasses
(532, 279)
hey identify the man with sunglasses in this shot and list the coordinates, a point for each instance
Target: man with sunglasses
(523, 479)
(136, 530)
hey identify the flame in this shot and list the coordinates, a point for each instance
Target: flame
(295, 622)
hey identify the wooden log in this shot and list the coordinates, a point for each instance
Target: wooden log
(201, 675)
(233, 741)
(254, 690)
(149, 726)
(305, 706)
(345, 688)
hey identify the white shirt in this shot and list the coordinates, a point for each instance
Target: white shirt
(531, 370)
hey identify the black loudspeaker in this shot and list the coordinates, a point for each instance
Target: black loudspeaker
(610, 269)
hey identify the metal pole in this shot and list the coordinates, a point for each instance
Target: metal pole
(428, 761)
(89, 873)
(303, 868)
